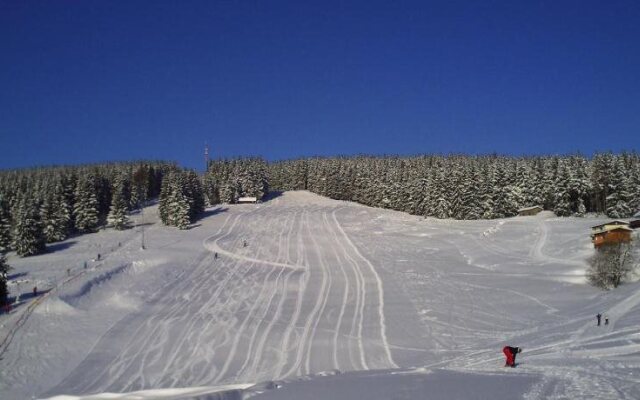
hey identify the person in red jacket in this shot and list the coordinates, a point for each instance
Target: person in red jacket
(510, 354)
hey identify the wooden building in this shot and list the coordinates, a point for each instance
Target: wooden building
(529, 210)
(612, 234)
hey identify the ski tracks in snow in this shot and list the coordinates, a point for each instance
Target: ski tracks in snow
(299, 299)
(330, 318)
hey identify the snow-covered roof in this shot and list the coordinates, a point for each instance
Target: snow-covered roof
(612, 228)
(530, 208)
(637, 214)
(616, 222)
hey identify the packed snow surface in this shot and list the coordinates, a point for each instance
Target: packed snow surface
(327, 299)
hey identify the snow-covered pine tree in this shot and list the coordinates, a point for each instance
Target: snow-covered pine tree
(195, 195)
(634, 184)
(5, 225)
(601, 167)
(229, 192)
(534, 191)
(140, 182)
(165, 193)
(619, 195)
(48, 217)
(181, 199)
(211, 189)
(86, 207)
(547, 185)
(181, 218)
(486, 192)
(454, 188)
(504, 203)
(28, 238)
(62, 213)
(178, 205)
(4, 273)
(562, 197)
(118, 213)
(470, 198)
(579, 185)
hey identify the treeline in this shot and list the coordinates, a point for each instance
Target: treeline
(471, 187)
(46, 205)
(228, 180)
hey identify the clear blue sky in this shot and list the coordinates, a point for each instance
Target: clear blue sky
(88, 81)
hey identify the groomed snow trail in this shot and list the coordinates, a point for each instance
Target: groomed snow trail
(323, 286)
(299, 299)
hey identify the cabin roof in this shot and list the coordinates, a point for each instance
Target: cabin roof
(611, 229)
(614, 222)
(530, 208)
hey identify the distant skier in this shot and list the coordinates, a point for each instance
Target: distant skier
(215, 256)
(510, 354)
(244, 243)
(598, 317)
(35, 291)
(606, 320)
(98, 256)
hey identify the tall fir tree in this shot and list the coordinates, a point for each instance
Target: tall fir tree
(562, 196)
(118, 213)
(4, 273)
(49, 223)
(5, 225)
(86, 206)
(28, 237)
(619, 196)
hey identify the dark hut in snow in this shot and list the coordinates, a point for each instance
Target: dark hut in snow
(529, 210)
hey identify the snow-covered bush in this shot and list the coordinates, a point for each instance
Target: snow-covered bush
(612, 265)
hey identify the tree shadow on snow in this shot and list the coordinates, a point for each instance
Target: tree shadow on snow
(212, 212)
(16, 275)
(132, 226)
(271, 195)
(53, 247)
(206, 214)
(25, 299)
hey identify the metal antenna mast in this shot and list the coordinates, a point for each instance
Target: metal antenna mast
(206, 157)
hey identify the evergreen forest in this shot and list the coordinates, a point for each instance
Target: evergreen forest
(471, 187)
(46, 205)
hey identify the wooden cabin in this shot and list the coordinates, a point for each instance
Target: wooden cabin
(529, 210)
(613, 234)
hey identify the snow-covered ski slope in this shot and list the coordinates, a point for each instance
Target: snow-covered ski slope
(328, 299)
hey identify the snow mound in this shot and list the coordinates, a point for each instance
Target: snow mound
(228, 392)
(123, 301)
(140, 266)
(77, 296)
(373, 385)
(56, 306)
